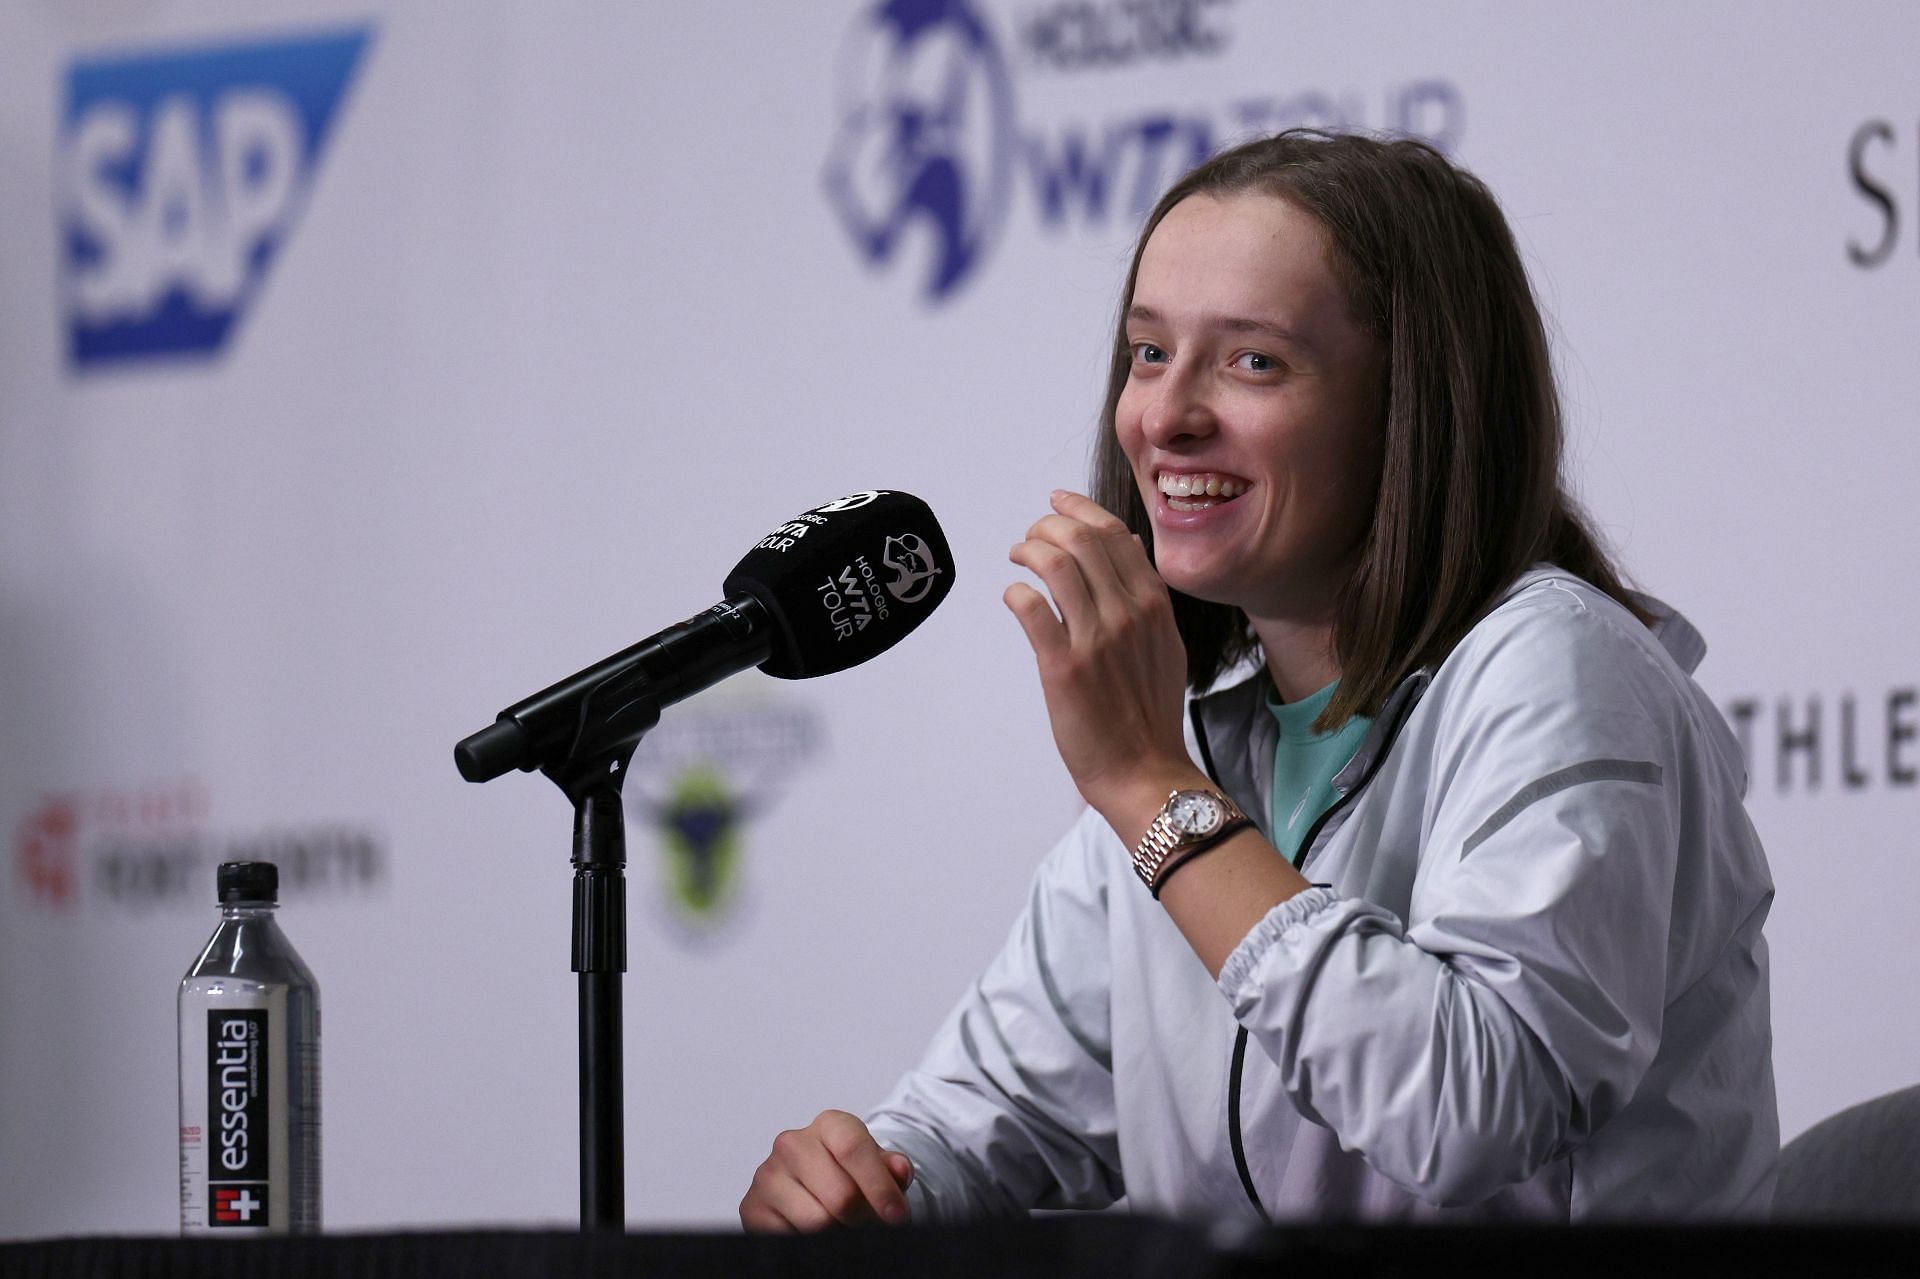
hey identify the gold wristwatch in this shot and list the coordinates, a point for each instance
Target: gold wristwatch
(1190, 822)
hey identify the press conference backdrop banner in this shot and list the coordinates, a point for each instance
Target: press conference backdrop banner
(367, 366)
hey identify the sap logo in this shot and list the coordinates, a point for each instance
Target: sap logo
(181, 176)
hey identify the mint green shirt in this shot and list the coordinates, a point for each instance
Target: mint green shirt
(1304, 765)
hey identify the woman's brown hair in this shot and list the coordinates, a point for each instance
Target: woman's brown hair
(1470, 492)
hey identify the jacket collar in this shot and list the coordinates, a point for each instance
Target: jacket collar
(1236, 735)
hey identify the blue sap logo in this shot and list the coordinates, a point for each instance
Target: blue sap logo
(182, 174)
(928, 139)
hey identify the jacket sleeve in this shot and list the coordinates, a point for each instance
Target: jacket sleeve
(1519, 1005)
(1012, 1107)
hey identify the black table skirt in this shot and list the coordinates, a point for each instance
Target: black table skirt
(1062, 1247)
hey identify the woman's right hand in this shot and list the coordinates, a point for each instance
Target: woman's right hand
(832, 1172)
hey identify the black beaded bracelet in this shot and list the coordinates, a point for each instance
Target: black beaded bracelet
(1206, 845)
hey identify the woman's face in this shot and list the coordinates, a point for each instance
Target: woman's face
(1252, 411)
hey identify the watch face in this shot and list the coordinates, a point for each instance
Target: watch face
(1195, 812)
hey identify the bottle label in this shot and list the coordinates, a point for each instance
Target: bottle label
(249, 1100)
(238, 1099)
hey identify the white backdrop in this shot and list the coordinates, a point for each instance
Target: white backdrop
(535, 317)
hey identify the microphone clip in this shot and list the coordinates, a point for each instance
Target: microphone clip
(609, 718)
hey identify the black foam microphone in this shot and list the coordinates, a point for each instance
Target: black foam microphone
(828, 589)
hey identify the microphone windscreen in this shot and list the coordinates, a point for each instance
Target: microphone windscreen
(846, 581)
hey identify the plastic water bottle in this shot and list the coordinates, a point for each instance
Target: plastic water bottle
(249, 1071)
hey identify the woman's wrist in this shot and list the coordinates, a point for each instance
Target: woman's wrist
(1130, 805)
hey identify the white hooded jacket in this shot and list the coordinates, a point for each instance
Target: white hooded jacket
(1530, 980)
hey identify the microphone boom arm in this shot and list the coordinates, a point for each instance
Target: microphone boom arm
(581, 732)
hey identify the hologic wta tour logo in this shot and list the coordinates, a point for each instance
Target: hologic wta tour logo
(930, 150)
(913, 565)
(926, 125)
(181, 176)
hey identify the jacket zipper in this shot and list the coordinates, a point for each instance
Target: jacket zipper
(1238, 1065)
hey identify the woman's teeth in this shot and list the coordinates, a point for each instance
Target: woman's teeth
(1197, 492)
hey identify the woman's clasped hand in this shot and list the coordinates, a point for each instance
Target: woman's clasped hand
(830, 1173)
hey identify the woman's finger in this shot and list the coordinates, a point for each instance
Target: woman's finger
(860, 1156)
(1083, 508)
(835, 1190)
(796, 1204)
(777, 1202)
(1045, 634)
(1133, 571)
(1126, 549)
(1066, 580)
(759, 1219)
(1106, 592)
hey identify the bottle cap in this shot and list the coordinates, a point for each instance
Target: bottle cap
(249, 882)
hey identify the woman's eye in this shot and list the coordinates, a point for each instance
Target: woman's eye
(1148, 353)
(1255, 362)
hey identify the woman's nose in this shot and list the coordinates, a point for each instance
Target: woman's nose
(1179, 410)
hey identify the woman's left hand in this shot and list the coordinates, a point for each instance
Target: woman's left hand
(1111, 664)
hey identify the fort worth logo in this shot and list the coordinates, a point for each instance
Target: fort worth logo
(154, 848)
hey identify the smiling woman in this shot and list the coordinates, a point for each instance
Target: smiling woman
(1248, 376)
(1388, 242)
(1448, 904)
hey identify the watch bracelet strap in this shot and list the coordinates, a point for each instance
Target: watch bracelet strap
(1206, 845)
(1161, 842)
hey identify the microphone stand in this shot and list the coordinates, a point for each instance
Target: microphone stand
(591, 773)
(600, 957)
(581, 733)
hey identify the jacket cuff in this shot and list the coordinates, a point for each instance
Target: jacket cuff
(937, 1193)
(1246, 957)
